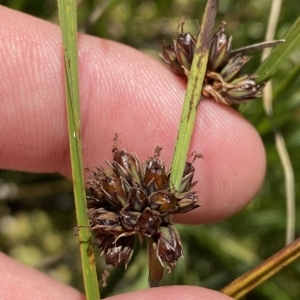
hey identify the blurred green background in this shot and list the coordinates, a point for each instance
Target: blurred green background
(37, 212)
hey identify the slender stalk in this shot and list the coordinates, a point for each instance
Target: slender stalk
(188, 118)
(156, 270)
(265, 270)
(289, 187)
(279, 140)
(67, 14)
(193, 93)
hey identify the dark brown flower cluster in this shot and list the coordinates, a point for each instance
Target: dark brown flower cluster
(222, 81)
(135, 199)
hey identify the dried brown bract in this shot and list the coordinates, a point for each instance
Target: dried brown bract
(134, 199)
(222, 81)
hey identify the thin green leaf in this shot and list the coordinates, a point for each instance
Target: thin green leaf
(271, 64)
(282, 88)
(67, 15)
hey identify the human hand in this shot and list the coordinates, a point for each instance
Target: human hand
(121, 91)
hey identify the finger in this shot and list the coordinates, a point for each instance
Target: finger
(22, 282)
(173, 292)
(122, 91)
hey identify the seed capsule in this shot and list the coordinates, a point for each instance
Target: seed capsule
(220, 49)
(233, 67)
(169, 247)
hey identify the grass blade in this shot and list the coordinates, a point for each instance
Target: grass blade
(67, 15)
(286, 83)
(271, 64)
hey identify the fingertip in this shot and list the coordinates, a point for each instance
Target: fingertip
(173, 292)
(22, 282)
(233, 165)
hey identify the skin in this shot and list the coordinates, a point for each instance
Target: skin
(122, 91)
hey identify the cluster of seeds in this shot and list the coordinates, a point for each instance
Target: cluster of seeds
(222, 81)
(135, 199)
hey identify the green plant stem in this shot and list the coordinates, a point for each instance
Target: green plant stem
(67, 14)
(265, 270)
(188, 118)
(193, 94)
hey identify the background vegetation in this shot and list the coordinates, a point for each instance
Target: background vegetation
(37, 212)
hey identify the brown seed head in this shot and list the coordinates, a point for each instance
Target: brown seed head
(221, 81)
(134, 198)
